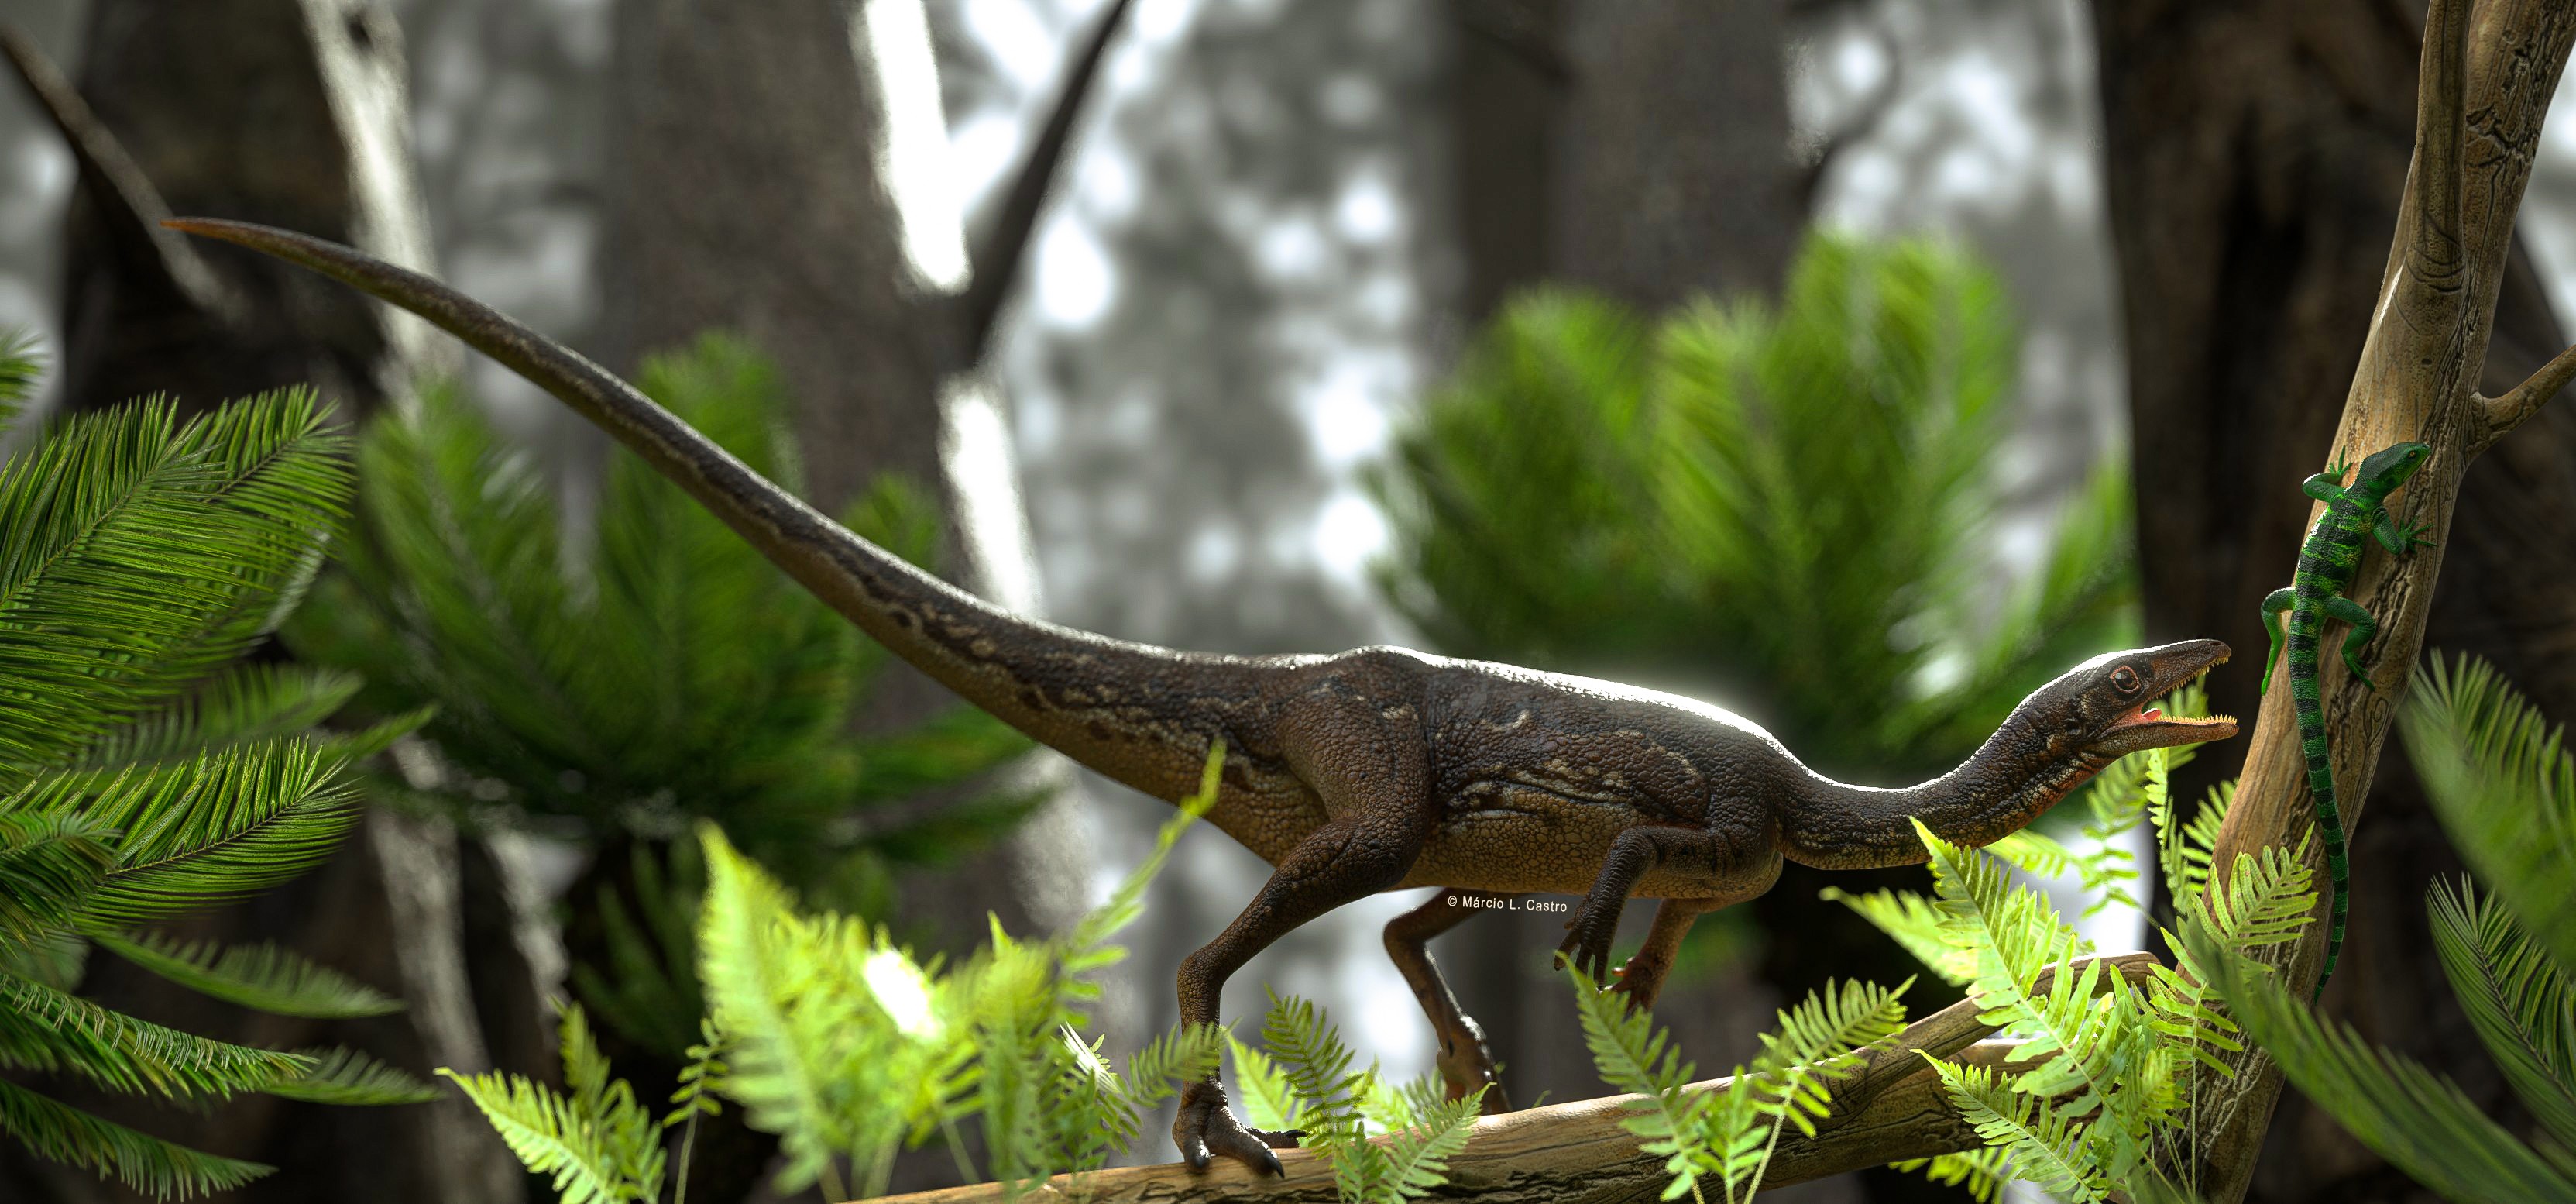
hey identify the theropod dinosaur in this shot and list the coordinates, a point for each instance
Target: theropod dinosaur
(1381, 768)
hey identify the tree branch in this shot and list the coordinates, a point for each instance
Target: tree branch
(2433, 185)
(1889, 1109)
(127, 202)
(1001, 248)
(2507, 412)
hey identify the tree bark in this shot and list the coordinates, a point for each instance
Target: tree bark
(2257, 155)
(2246, 91)
(290, 112)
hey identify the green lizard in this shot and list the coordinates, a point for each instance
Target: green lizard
(2327, 562)
(1381, 768)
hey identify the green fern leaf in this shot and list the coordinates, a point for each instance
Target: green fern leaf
(1914, 922)
(2502, 782)
(44, 1029)
(2039, 1144)
(1269, 1101)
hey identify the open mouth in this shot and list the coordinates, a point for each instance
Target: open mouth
(2218, 727)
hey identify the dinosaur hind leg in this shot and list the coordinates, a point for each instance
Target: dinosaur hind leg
(1642, 978)
(1465, 1062)
(1373, 775)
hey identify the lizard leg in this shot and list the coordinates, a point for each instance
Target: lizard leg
(2363, 627)
(2398, 540)
(2274, 603)
(1345, 859)
(1465, 1062)
(2322, 487)
(1643, 977)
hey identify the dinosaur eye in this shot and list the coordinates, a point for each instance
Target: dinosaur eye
(2125, 680)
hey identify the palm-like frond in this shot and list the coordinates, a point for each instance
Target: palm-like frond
(265, 978)
(138, 555)
(2409, 1115)
(351, 1079)
(145, 1163)
(220, 825)
(18, 373)
(49, 1030)
(49, 863)
(2520, 1001)
(2504, 785)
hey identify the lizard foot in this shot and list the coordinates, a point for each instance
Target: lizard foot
(1207, 1127)
(1466, 1064)
(1587, 938)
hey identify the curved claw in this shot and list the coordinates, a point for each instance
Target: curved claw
(1206, 1127)
(1641, 980)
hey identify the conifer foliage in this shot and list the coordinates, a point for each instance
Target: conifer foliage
(146, 771)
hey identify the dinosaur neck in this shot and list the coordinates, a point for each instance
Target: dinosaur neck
(2017, 775)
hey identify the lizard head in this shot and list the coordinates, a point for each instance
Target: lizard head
(2103, 705)
(2388, 468)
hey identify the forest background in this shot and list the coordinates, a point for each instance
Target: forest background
(1280, 225)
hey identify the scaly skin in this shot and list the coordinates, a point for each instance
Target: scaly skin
(2327, 562)
(1381, 768)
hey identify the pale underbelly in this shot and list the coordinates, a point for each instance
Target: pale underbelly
(1518, 850)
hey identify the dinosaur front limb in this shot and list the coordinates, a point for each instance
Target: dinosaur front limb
(2274, 604)
(2363, 627)
(1465, 1062)
(1587, 936)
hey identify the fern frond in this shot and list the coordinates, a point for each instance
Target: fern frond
(1418, 1156)
(245, 703)
(147, 1164)
(2036, 853)
(265, 977)
(1086, 946)
(352, 1079)
(1269, 1101)
(1981, 1173)
(598, 1143)
(2519, 1001)
(1914, 922)
(754, 966)
(2405, 1113)
(2184, 850)
(1638, 1058)
(1309, 1051)
(2040, 1144)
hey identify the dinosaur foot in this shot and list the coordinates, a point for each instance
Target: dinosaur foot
(1207, 1127)
(1466, 1063)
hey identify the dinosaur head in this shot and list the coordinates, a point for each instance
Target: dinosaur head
(2390, 466)
(2102, 707)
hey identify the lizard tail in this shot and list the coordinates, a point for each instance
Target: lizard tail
(2312, 744)
(1142, 715)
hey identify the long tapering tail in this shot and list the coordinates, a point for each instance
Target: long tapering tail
(1140, 714)
(2304, 633)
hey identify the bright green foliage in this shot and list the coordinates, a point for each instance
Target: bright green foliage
(655, 672)
(2099, 1085)
(1386, 1142)
(826, 1033)
(1796, 501)
(142, 773)
(2505, 787)
(1726, 1138)
(600, 1145)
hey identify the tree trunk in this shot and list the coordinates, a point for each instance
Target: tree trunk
(291, 112)
(2257, 155)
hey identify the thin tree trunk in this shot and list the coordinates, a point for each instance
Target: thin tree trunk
(2257, 156)
(291, 112)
